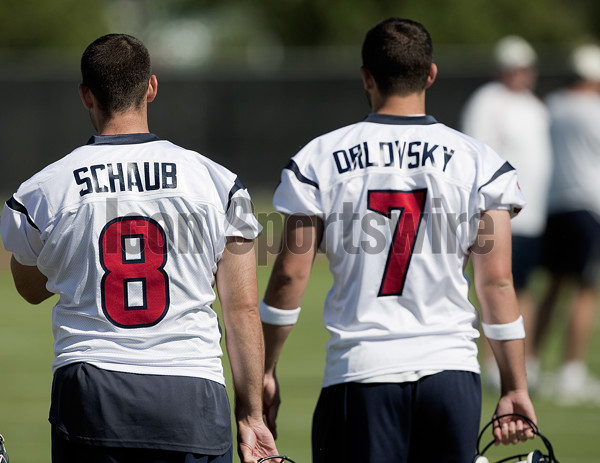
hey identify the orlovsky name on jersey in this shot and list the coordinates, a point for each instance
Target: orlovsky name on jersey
(391, 154)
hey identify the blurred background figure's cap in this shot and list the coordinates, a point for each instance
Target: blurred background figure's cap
(512, 52)
(585, 62)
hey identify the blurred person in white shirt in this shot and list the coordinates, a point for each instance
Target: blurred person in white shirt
(507, 115)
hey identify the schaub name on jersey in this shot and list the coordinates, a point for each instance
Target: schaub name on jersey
(130, 176)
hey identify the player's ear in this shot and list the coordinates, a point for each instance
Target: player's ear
(367, 78)
(87, 98)
(433, 70)
(152, 89)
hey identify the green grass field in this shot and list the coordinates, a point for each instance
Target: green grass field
(25, 381)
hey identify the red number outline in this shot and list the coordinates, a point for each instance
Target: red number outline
(411, 205)
(148, 269)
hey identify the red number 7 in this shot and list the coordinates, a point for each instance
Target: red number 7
(410, 204)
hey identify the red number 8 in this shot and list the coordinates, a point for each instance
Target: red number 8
(134, 288)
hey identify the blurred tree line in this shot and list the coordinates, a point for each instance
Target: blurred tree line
(36, 26)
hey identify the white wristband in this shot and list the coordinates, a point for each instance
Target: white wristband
(505, 331)
(275, 316)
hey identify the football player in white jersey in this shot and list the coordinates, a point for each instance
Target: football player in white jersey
(132, 232)
(398, 203)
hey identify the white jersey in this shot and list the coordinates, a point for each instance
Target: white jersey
(401, 199)
(576, 139)
(517, 126)
(128, 230)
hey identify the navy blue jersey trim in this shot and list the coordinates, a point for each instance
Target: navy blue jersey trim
(400, 120)
(296, 170)
(506, 167)
(17, 206)
(237, 185)
(123, 139)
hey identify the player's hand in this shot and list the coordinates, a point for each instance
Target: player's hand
(271, 401)
(255, 441)
(512, 429)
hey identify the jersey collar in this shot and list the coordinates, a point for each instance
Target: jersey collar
(400, 120)
(123, 139)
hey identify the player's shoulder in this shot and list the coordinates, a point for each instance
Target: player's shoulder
(469, 150)
(50, 173)
(205, 173)
(466, 143)
(208, 164)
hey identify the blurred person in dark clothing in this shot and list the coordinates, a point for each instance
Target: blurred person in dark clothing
(572, 245)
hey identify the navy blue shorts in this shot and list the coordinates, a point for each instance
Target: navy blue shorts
(572, 246)
(64, 451)
(526, 257)
(427, 421)
(110, 413)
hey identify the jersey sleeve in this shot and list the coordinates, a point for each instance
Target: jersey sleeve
(298, 192)
(497, 185)
(240, 219)
(20, 233)
(235, 202)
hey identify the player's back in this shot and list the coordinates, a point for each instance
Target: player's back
(130, 232)
(401, 199)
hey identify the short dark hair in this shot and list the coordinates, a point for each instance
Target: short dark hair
(117, 69)
(398, 53)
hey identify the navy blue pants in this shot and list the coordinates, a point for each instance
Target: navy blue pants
(431, 420)
(64, 451)
(526, 258)
(572, 246)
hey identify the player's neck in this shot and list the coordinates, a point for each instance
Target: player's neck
(124, 123)
(400, 105)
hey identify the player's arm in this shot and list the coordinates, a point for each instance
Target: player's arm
(491, 256)
(238, 294)
(30, 282)
(299, 244)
